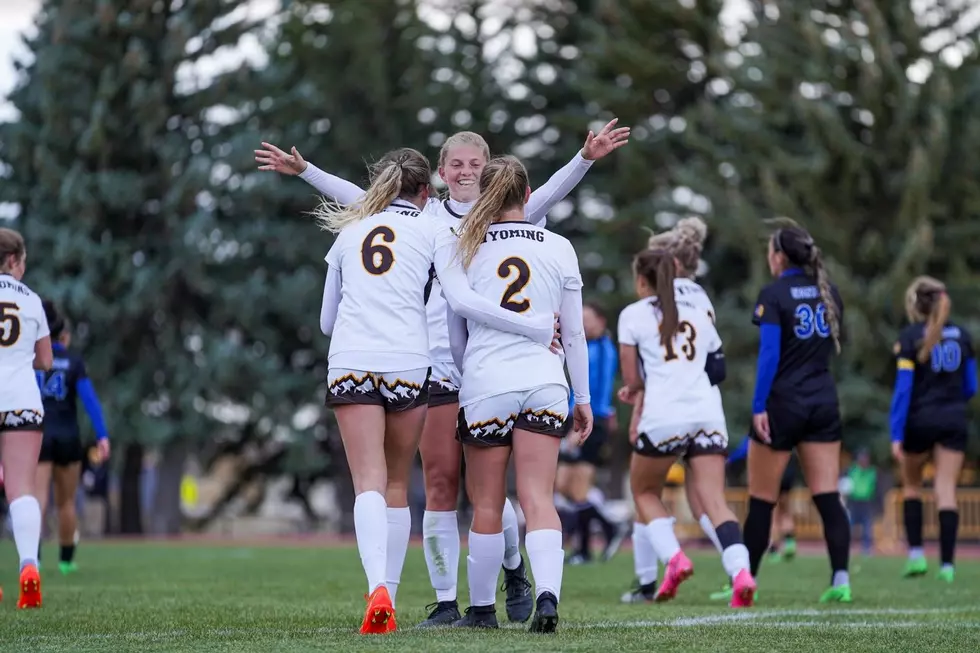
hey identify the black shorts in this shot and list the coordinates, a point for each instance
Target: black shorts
(393, 391)
(921, 440)
(61, 451)
(789, 425)
(21, 420)
(440, 395)
(592, 451)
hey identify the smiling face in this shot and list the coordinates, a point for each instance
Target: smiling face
(461, 171)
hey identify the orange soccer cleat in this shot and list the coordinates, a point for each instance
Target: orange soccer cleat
(30, 588)
(379, 617)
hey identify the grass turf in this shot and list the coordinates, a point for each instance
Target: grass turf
(175, 598)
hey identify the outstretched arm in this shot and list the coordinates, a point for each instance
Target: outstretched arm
(465, 301)
(273, 159)
(562, 182)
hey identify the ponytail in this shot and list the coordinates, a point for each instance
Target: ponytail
(657, 267)
(926, 301)
(401, 173)
(829, 302)
(503, 186)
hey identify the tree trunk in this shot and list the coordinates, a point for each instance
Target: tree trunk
(130, 518)
(167, 518)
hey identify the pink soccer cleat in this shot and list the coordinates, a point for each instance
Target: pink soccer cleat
(679, 569)
(743, 590)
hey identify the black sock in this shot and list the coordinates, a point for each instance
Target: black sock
(949, 522)
(67, 553)
(728, 534)
(836, 529)
(912, 513)
(584, 515)
(758, 525)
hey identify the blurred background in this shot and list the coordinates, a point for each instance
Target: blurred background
(193, 281)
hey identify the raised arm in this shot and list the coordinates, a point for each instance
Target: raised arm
(562, 182)
(273, 159)
(465, 302)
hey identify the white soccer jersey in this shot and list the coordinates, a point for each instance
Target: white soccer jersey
(384, 261)
(528, 268)
(678, 391)
(22, 323)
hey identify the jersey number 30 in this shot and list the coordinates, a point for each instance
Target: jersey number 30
(376, 258)
(9, 324)
(507, 267)
(811, 321)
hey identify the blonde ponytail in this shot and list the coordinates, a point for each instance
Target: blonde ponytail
(926, 301)
(401, 173)
(503, 186)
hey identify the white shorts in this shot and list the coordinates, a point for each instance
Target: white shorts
(22, 420)
(394, 391)
(490, 422)
(444, 384)
(684, 440)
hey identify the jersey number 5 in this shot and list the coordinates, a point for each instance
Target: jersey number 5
(9, 324)
(515, 286)
(378, 259)
(687, 330)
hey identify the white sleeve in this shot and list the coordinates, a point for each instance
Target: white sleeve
(555, 189)
(626, 334)
(465, 301)
(457, 337)
(331, 291)
(573, 340)
(341, 190)
(43, 330)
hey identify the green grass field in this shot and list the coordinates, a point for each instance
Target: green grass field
(190, 597)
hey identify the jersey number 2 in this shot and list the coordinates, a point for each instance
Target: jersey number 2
(685, 329)
(9, 324)
(517, 285)
(378, 259)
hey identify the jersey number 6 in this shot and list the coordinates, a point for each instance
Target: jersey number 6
(685, 329)
(9, 324)
(377, 259)
(515, 286)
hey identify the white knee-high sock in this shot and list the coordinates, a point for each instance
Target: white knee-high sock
(399, 532)
(709, 530)
(440, 534)
(644, 557)
(371, 530)
(547, 560)
(512, 537)
(25, 518)
(483, 567)
(662, 538)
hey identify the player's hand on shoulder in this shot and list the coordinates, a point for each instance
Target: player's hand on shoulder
(274, 159)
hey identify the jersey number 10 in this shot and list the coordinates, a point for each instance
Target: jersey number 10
(946, 356)
(811, 321)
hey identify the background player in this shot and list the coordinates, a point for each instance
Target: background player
(61, 449)
(25, 345)
(937, 376)
(795, 403)
(513, 394)
(672, 337)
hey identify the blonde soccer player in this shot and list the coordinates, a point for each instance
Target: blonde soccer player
(461, 161)
(666, 339)
(514, 396)
(25, 346)
(379, 360)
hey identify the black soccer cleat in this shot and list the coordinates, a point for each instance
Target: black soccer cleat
(443, 613)
(519, 602)
(546, 616)
(478, 616)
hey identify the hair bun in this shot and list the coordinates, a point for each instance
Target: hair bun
(692, 229)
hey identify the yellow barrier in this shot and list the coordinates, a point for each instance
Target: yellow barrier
(889, 530)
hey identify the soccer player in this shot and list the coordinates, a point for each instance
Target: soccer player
(795, 404)
(25, 346)
(577, 464)
(379, 361)
(513, 396)
(937, 376)
(61, 448)
(672, 337)
(461, 161)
